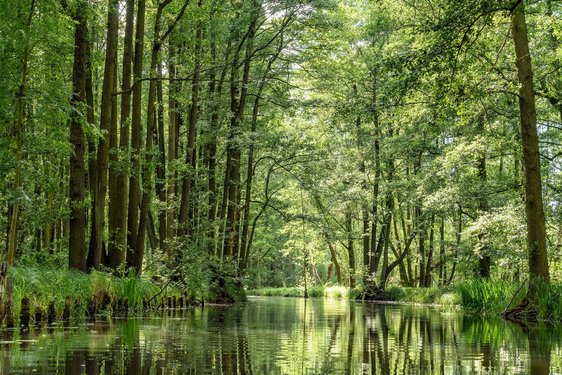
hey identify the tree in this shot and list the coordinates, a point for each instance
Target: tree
(77, 238)
(536, 232)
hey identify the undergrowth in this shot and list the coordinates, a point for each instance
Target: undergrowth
(335, 292)
(45, 286)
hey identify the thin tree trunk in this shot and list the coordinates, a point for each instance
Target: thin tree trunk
(174, 125)
(457, 247)
(18, 127)
(94, 257)
(161, 166)
(113, 173)
(118, 208)
(350, 248)
(232, 232)
(134, 181)
(147, 170)
(214, 97)
(404, 277)
(183, 219)
(376, 188)
(389, 206)
(429, 262)
(245, 244)
(484, 260)
(334, 258)
(144, 216)
(442, 266)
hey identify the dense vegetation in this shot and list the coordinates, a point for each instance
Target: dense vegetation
(224, 145)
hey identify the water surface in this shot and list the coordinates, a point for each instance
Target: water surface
(289, 336)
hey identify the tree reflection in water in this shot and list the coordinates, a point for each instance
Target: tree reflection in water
(267, 336)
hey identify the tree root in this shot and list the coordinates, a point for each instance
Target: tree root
(524, 312)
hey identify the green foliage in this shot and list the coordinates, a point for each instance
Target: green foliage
(44, 286)
(486, 296)
(131, 287)
(371, 110)
(549, 301)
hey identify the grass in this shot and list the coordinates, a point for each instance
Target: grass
(549, 303)
(45, 286)
(486, 296)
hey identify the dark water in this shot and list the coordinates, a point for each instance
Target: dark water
(289, 336)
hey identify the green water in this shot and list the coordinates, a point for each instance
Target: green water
(289, 336)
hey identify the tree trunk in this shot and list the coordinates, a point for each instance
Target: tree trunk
(92, 163)
(113, 174)
(94, 257)
(429, 262)
(245, 243)
(484, 260)
(145, 218)
(147, 168)
(442, 265)
(161, 166)
(350, 249)
(536, 233)
(77, 184)
(18, 129)
(134, 181)
(183, 219)
(214, 97)
(119, 198)
(376, 188)
(174, 125)
(334, 258)
(389, 207)
(232, 232)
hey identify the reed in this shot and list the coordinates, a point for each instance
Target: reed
(97, 291)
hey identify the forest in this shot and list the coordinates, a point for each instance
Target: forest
(382, 147)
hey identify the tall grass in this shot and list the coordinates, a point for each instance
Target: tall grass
(491, 296)
(549, 301)
(134, 289)
(45, 286)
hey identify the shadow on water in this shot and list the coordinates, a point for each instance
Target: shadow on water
(289, 336)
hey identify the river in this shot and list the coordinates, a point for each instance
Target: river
(289, 336)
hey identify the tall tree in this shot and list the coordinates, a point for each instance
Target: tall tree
(118, 196)
(134, 177)
(18, 130)
(109, 78)
(536, 231)
(77, 186)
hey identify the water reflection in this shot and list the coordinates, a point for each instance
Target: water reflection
(289, 336)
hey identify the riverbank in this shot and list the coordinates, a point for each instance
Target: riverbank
(41, 296)
(337, 292)
(484, 297)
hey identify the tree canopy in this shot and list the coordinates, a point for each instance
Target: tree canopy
(276, 143)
